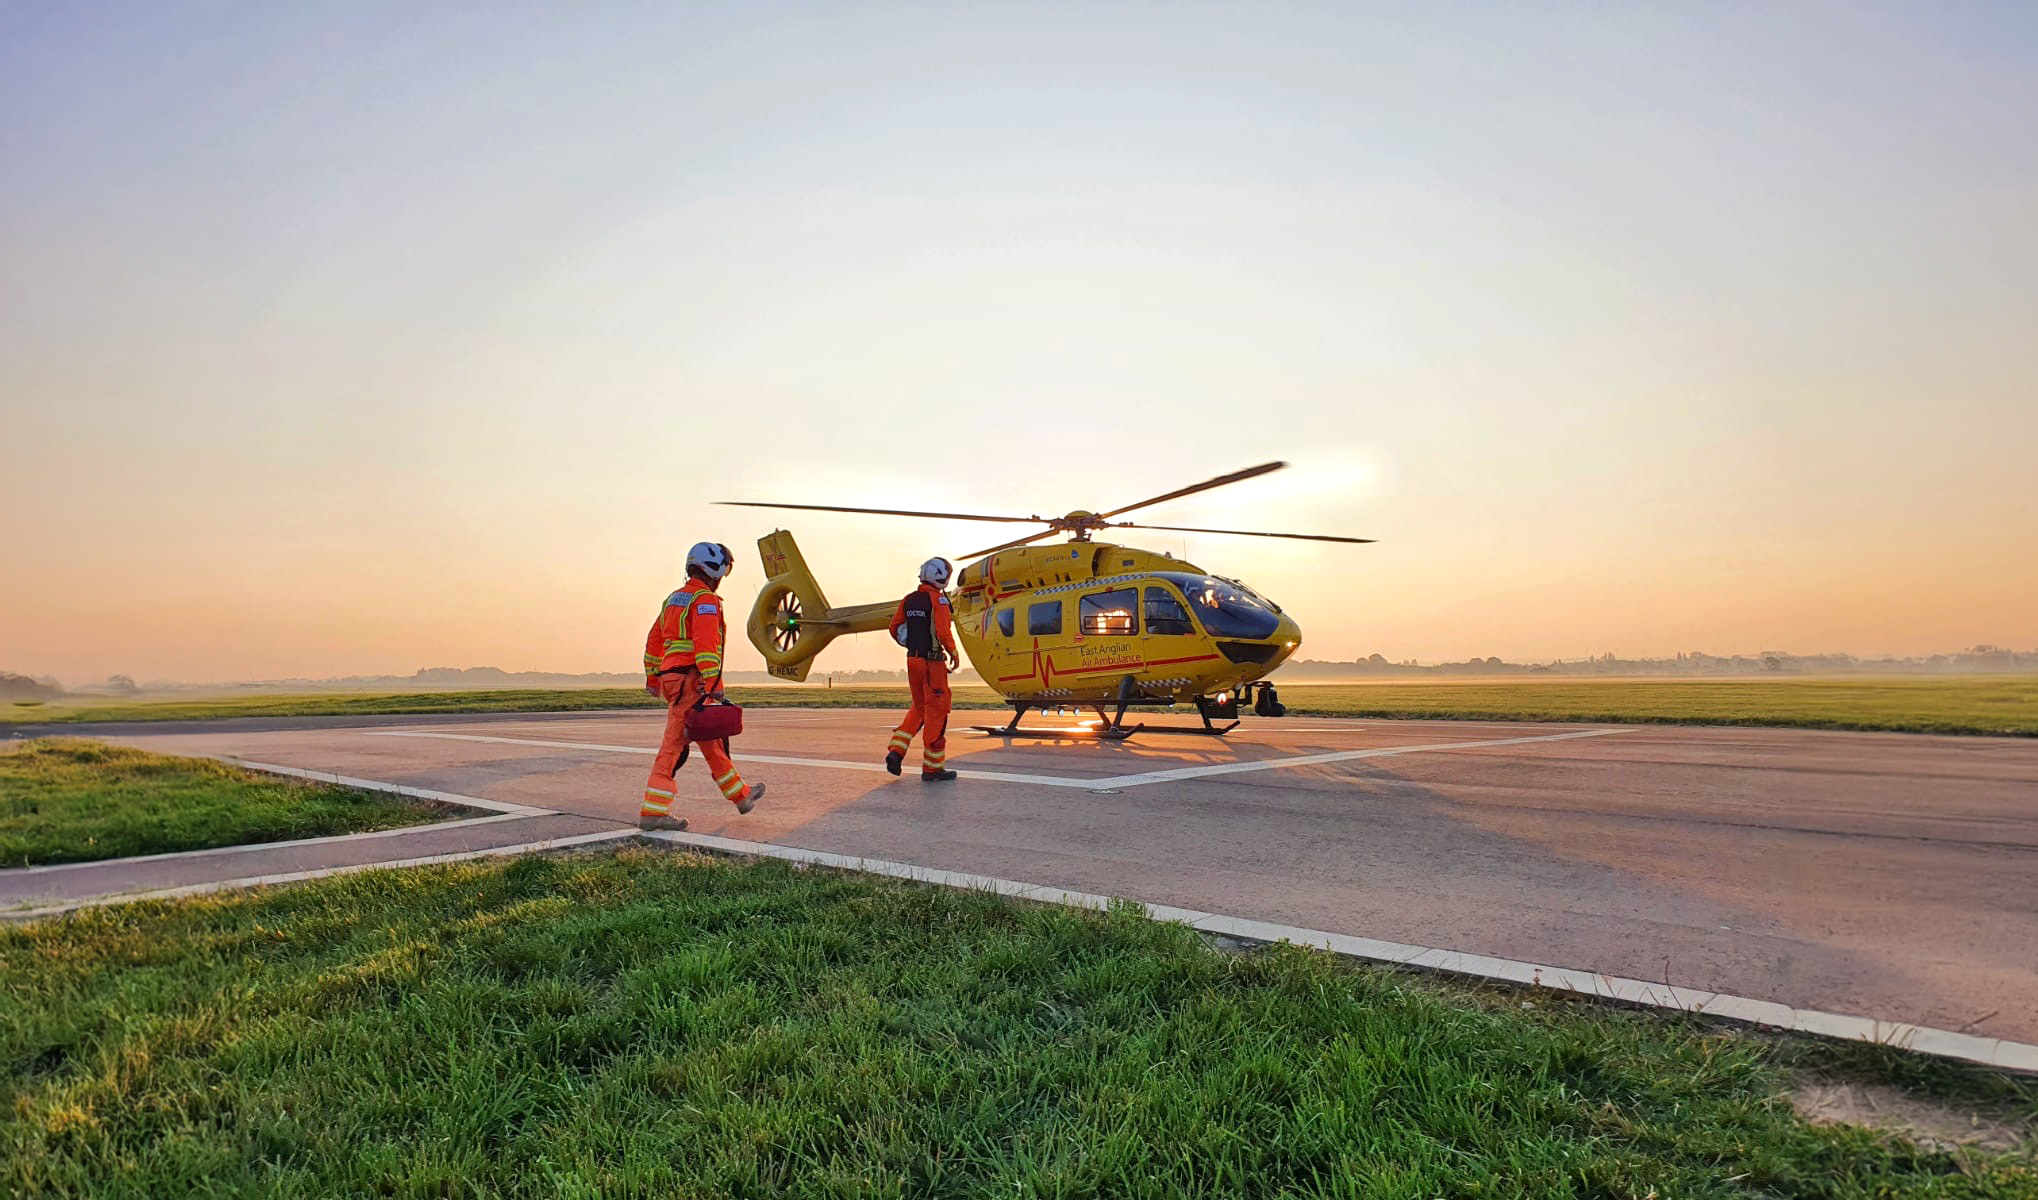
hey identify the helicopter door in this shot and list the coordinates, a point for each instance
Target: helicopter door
(1166, 618)
(1107, 645)
(1170, 643)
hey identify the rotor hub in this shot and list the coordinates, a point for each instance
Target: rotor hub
(1079, 524)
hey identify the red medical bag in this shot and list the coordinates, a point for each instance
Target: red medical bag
(714, 722)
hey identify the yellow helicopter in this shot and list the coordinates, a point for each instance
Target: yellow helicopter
(1084, 624)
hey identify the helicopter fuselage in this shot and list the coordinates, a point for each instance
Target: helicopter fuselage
(1090, 622)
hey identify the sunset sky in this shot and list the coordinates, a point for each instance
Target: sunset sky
(356, 338)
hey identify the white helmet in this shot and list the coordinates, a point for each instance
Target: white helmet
(936, 571)
(711, 559)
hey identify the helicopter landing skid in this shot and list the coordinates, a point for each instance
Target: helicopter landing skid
(1108, 733)
(1208, 731)
(1105, 728)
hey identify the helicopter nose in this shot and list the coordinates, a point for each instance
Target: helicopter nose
(1287, 635)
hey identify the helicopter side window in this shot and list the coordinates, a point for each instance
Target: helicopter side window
(1165, 614)
(1044, 618)
(1110, 614)
(1004, 622)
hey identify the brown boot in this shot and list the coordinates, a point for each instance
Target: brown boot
(673, 824)
(750, 798)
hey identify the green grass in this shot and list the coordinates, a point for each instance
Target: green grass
(75, 711)
(639, 1024)
(70, 800)
(1973, 704)
(1970, 704)
(71, 711)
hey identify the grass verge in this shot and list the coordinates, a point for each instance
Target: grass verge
(337, 704)
(638, 1024)
(70, 800)
(1968, 704)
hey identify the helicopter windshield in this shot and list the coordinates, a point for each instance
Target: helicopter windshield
(1226, 609)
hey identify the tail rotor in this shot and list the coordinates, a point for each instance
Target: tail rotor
(785, 622)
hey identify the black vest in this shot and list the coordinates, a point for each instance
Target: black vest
(919, 626)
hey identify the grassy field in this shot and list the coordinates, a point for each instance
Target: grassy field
(335, 704)
(1982, 704)
(70, 800)
(640, 1024)
(1972, 704)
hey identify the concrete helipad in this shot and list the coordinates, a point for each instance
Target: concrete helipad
(1881, 875)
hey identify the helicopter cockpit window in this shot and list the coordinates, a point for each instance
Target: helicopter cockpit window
(1110, 614)
(1165, 614)
(1004, 622)
(1226, 610)
(1043, 618)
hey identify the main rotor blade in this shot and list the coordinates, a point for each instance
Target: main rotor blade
(883, 512)
(1045, 533)
(1304, 537)
(1206, 485)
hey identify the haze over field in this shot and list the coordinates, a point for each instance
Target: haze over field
(344, 338)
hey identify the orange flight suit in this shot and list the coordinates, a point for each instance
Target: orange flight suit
(926, 675)
(683, 662)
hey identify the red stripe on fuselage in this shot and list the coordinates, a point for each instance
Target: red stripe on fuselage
(1142, 666)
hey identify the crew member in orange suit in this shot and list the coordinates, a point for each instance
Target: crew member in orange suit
(683, 663)
(925, 626)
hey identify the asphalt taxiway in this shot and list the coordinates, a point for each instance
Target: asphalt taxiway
(1889, 876)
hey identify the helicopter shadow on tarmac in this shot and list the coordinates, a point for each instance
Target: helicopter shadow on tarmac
(1121, 752)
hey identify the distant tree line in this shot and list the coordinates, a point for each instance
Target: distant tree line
(1975, 659)
(19, 688)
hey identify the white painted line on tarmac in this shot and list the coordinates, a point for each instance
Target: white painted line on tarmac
(1437, 725)
(1452, 727)
(290, 845)
(777, 759)
(1173, 775)
(1310, 760)
(994, 776)
(373, 785)
(655, 716)
(507, 741)
(200, 889)
(1942, 1043)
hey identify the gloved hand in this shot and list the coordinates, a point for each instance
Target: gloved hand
(954, 661)
(651, 685)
